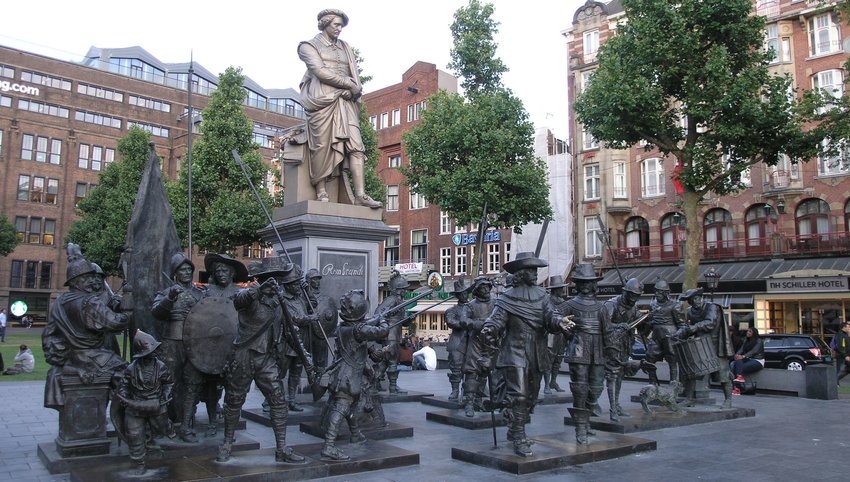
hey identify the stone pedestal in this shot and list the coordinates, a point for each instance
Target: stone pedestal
(82, 422)
(340, 240)
(821, 382)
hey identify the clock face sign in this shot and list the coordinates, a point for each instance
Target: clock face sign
(19, 308)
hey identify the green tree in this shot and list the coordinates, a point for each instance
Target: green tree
(8, 237)
(466, 153)
(106, 211)
(701, 62)
(225, 213)
(375, 187)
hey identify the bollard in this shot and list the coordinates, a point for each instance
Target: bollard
(821, 382)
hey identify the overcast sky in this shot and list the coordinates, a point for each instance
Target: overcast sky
(262, 36)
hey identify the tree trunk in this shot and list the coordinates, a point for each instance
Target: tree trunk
(693, 245)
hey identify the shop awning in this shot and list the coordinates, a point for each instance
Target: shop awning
(436, 309)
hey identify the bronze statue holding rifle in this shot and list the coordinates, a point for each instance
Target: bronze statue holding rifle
(623, 314)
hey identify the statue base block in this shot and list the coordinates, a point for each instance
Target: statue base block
(442, 402)
(176, 449)
(410, 396)
(555, 398)
(255, 465)
(458, 418)
(552, 451)
(640, 421)
(391, 430)
(311, 413)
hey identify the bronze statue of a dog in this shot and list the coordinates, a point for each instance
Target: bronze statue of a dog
(667, 397)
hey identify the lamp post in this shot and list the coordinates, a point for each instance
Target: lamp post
(712, 279)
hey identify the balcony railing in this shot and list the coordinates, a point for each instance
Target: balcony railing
(780, 245)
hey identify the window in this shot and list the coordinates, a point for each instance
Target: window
(46, 150)
(23, 187)
(99, 119)
(37, 189)
(55, 151)
(420, 107)
(85, 155)
(756, 223)
(591, 182)
(744, 176)
(460, 228)
(823, 35)
(44, 79)
(446, 261)
(652, 177)
(155, 130)
(17, 274)
(42, 108)
(373, 119)
(670, 234)
(49, 236)
(812, 218)
(507, 251)
(417, 201)
(395, 161)
(391, 249)
(411, 112)
(592, 243)
(419, 245)
(99, 92)
(6, 71)
(41, 231)
(591, 45)
(637, 233)
(94, 157)
(1, 143)
(445, 223)
(837, 163)
(829, 83)
(45, 275)
(494, 258)
(460, 260)
(80, 192)
(27, 147)
(385, 120)
(35, 231)
(396, 120)
(587, 140)
(392, 198)
(719, 231)
(620, 190)
(585, 80)
(52, 195)
(21, 228)
(781, 45)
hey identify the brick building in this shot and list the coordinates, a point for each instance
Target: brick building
(60, 123)
(781, 246)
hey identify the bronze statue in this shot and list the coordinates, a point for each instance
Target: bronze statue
(139, 410)
(346, 375)
(479, 360)
(172, 305)
(292, 358)
(521, 319)
(586, 350)
(557, 341)
(264, 326)
(706, 319)
(456, 319)
(330, 94)
(622, 312)
(398, 286)
(325, 307)
(666, 316)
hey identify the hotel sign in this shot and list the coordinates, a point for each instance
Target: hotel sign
(817, 284)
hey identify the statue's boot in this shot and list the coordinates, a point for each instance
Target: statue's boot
(581, 392)
(231, 420)
(189, 402)
(470, 389)
(547, 380)
(581, 417)
(393, 380)
(593, 400)
(727, 394)
(356, 162)
(613, 414)
(293, 390)
(335, 417)
(618, 387)
(454, 379)
(674, 370)
(140, 468)
(516, 428)
(357, 436)
(554, 384)
(278, 415)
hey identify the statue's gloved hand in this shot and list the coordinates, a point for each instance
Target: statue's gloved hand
(173, 292)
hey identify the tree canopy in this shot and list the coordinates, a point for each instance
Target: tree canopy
(106, 211)
(466, 153)
(225, 213)
(8, 236)
(691, 79)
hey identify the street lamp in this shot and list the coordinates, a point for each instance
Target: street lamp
(712, 279)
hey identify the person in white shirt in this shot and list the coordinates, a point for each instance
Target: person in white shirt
(426, 358)
(3, 325)
(24, 362)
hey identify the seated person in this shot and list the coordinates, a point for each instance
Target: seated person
(24, 362)
(426, 358)
(750, 356)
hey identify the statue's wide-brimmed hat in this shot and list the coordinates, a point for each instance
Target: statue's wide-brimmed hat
(240, 272)
(687, 295)
(144, 344)
(398, 281)
(461, 285)
(77, 265)
(177, 260)
(269, 267)
(334, 11)
(524, 260)
(293, 275)
(312, 273)
(556, 281)
(585, 272)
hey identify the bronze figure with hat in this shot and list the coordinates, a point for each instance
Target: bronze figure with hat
(623, 314)
(457, 320)
(315, 336)
(557, 342)
(667, 315)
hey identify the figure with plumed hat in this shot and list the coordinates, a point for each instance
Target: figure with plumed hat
(143, 395)
(585, 352)
(519, 324)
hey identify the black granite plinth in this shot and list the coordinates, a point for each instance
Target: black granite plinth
(56, 464)
(442, 402)
(312, 411)
(410, 396)
(551, 452)
(391, 430)
(365, 457)
(200, 429)
(555, 398)
(708, 401)
(458, 418)
(640, 421)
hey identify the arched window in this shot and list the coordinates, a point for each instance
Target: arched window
(719, 233)
(670, 226)
(637, 237)
(757, 220)
(812, 219)
(847, 217)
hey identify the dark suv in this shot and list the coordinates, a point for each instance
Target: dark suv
(794, 352)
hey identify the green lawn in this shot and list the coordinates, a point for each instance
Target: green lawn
(31, 337)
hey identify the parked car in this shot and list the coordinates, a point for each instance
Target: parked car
(794, 352)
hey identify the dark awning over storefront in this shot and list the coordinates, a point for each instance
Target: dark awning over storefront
(748, 276)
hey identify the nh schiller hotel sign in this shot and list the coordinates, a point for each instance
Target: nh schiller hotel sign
(815, 284)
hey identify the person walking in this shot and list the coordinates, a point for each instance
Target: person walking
(842, 351)
(3, 325)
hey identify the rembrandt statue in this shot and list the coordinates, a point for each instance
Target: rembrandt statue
(330, 94)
